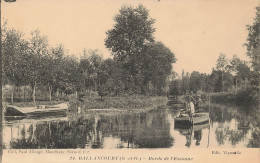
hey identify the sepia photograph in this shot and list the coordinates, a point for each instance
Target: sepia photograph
(130, 80)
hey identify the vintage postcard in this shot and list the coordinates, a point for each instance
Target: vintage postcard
(130, 81)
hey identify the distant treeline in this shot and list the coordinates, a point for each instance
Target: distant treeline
(232, 75)
(140, 65)
(235, 76)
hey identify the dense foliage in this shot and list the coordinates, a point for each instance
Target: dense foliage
(31, 67)
(146, 64)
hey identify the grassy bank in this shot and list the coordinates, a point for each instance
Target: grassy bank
(116, 104)
(244, 96)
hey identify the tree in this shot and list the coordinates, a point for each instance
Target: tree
(14, 50)
(132, 30)
(143, 60)
(38, 49)
(216, 80)
(95, 60)
(253, 42)
(222, 66)
(195, 81)
(175, 87)
(208, 84)
(72, 77)
(253, 51)
(84, 67)
(157, 64)
(240, 69)
(53, 64)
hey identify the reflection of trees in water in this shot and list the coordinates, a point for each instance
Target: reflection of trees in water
(220, 115)
(55, 135)
(153, 133)
(145, 130)
(234, 136)
(220, 136)
(245, 121)
(255, 137)
(142, 130)
(254, 142)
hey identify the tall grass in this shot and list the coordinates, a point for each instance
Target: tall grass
(124, 103)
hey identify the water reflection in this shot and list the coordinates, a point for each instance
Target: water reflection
(193, 134)
(237, 127)
(228, 127)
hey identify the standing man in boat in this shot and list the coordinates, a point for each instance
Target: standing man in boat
(191, 109)
(189, 106)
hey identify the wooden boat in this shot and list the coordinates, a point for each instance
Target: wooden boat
(196, 127)
(197, 118)
(15, 111)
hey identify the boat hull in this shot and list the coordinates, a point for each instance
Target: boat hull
(198, 118)
(14, 111)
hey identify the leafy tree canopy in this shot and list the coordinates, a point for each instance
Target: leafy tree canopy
(132, 30)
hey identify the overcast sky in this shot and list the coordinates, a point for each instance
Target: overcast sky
(196, 31)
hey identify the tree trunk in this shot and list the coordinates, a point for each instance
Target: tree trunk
(50, 93)
(236, 85)
(12, 96)
(50, 89)
(24, 93)
(222, 78)
(57, 93)
(85, 84)
(61, 94)
(19, 93)
(34, 92)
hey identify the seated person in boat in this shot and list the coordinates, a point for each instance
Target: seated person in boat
(198, 103)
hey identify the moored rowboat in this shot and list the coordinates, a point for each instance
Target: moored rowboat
(42, 109)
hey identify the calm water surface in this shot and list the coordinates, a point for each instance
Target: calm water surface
(228, 128)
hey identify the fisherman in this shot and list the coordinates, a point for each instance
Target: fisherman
(198, 104)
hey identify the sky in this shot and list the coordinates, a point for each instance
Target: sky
(196, 31)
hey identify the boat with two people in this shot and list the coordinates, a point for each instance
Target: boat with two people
(191, 115)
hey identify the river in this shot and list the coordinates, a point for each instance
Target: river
(228, 128)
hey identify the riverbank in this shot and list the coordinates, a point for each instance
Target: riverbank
(245, 97)
(92, 104)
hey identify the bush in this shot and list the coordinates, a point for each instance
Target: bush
(244, 96)
(247, 95)
(223, 97)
